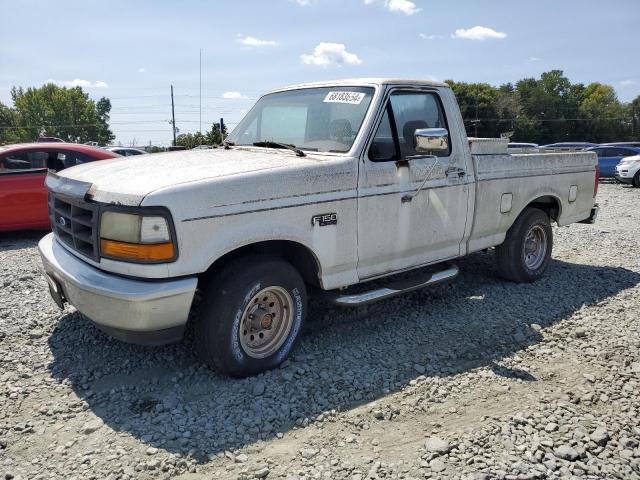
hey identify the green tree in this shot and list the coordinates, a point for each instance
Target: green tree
(67, 113)
(103, 109)
(605, 118)
(212, 137)
(8, 124)
(191, 140)
(634, 114)
(477, 103)
(550, 101)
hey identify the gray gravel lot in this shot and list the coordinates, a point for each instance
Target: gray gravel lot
(478, 379)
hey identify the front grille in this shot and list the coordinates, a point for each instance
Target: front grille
(75, 223)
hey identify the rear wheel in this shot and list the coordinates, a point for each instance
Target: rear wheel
(252, 316)
(526, 251)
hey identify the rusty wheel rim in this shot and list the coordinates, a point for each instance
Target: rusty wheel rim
(266, 322)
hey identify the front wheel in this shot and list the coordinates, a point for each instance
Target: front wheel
(636, 180)
(252, 316)
(526, 251)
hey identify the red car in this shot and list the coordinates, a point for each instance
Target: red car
(23, 167)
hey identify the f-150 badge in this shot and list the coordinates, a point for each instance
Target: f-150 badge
(325, 219)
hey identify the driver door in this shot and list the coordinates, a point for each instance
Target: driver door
(412, 209)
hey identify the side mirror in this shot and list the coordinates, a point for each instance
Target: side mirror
(431, 141)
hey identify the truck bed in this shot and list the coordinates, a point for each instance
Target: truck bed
(508, 182)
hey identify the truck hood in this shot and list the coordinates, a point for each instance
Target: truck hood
(128, 180)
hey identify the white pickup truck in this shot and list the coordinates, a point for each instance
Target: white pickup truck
(320, 187)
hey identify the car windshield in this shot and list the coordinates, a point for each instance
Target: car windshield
(323, 119)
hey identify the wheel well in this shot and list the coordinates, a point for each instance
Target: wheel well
(549, 204)
(295, 253)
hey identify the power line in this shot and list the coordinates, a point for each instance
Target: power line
(535, 119)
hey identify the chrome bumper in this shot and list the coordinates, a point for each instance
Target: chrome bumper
(126, 308)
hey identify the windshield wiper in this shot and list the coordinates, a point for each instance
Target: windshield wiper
(288, 146)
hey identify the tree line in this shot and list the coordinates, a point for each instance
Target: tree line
(548, 109)
(539, 110)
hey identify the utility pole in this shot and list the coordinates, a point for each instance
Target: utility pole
(173, 118)
(221, 130)
(200, 90)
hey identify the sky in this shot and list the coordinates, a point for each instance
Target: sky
(133, 51)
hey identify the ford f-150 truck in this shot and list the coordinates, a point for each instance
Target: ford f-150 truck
(320, 187)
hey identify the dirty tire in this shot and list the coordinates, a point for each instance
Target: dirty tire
(511, 263)
(227, 299)
(636, 180)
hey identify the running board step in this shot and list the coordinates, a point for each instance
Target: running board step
(391, 290)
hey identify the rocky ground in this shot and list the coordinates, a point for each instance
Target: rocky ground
(479, 379)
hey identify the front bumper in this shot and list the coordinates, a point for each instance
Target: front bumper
(136, 311)
(625, 179)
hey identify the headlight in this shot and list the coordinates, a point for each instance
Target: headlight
(137, 238)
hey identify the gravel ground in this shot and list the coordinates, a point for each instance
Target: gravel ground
(478, 379)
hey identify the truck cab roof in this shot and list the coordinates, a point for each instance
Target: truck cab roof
(380, 81)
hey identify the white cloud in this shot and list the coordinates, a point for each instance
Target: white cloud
(534, 59)
(233, 96)
(429, 37)
(627, 82)
(330, 54)
(478, 33)
(141, 70)
(404, 6)
(78, 82)
(303, 3)
(255, 42)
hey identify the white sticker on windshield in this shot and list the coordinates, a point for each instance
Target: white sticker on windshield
(354, 98)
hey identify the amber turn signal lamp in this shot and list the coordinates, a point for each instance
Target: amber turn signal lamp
(142, 252)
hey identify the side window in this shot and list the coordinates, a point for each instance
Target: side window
(23, 161)
(602, 152)
(410, 111)
(627, 153)
(76, 158)
(383, 147)
(413, 111)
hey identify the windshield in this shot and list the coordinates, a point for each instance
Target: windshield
(316, 119)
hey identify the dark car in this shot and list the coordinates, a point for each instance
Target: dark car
(623, 144)
(522, 146)
(610, 155)
(23, 168)
(569, 146)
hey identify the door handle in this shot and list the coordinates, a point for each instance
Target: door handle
(458, 172)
